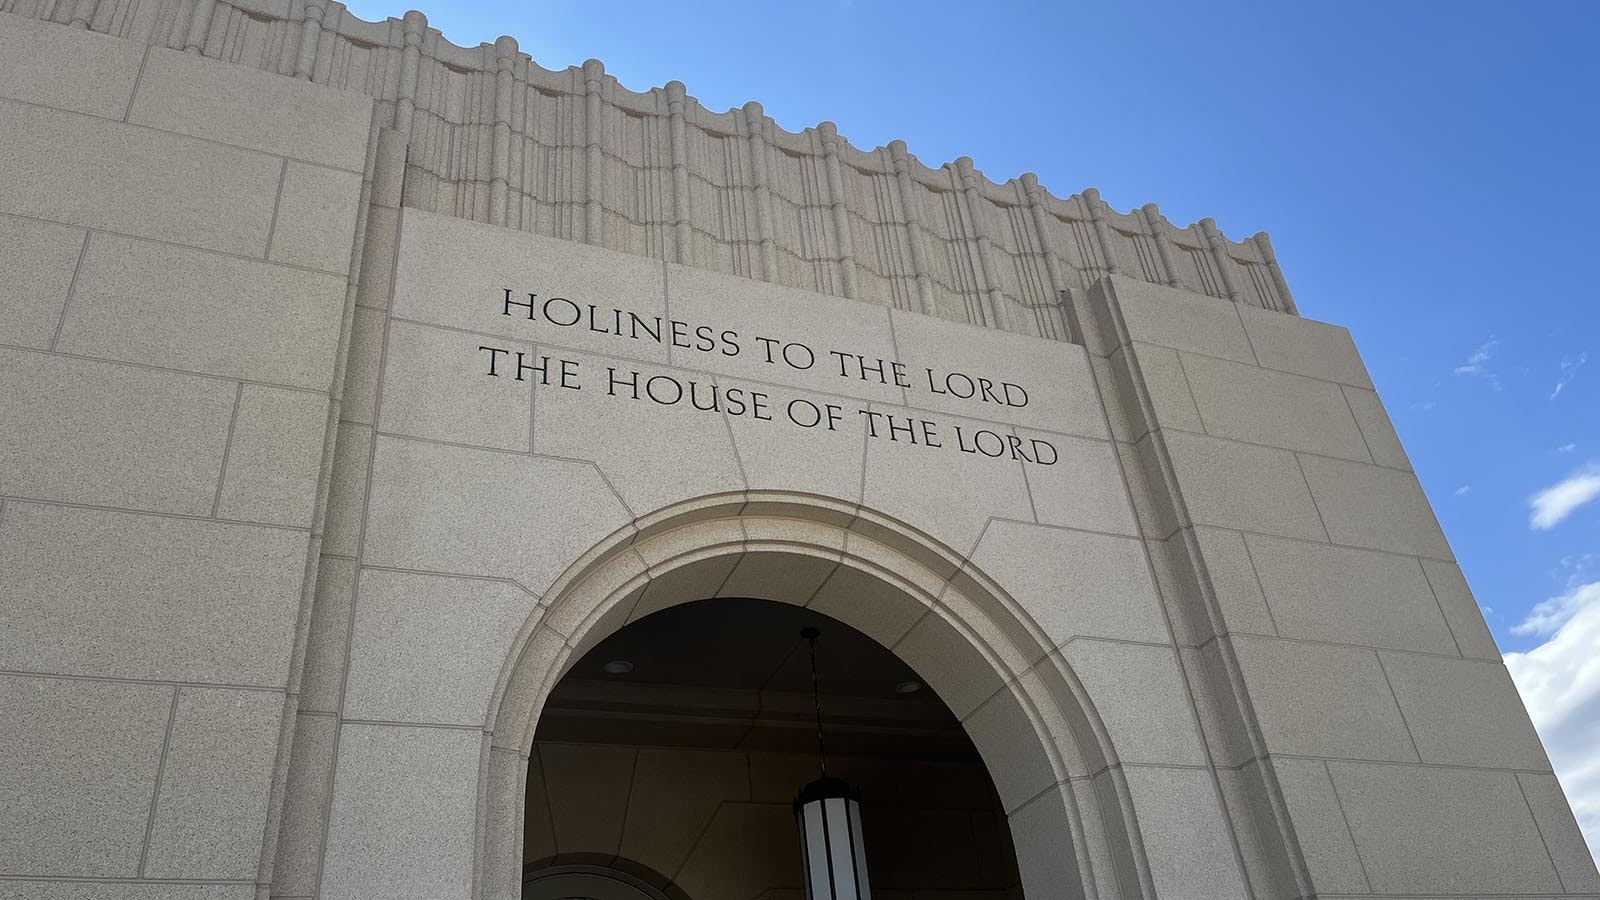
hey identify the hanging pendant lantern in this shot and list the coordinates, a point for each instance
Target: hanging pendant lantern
(828, 813)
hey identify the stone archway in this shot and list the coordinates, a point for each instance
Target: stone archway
(1033, 723)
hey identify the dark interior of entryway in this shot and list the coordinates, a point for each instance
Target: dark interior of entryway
(666, 760)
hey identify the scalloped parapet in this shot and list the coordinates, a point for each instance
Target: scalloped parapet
(495, 137)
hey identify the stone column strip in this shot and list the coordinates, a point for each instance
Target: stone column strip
(993, 308)
(841, 215)
(919, 255)
(505, 48)
(756, 143)
(199, 26)
(683, 232)
(1102, 231)
(1270, 259)
(310, 32)
(1220, 257)
(1155, 222)
(594, 168)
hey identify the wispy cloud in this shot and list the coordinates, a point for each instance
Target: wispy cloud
(1464, 490)
(1569, 370)
(1560, 683)
(1556, 502)
(1477, 364)
(1566, 448)
(1424, 405)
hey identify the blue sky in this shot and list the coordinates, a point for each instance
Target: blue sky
(1427, 172)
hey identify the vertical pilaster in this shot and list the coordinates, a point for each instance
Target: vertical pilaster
(985, 274)
(1102, 231)
(1035, 198)
(676, 97)
(1155, 224)
(415, 24)
(755, 136)
(1220, 257)
(199, 26)
(83, 13)
(594, 167)
(841, 215)
(505, 49)
(919, 254)
(1270, 258)
(305, 61)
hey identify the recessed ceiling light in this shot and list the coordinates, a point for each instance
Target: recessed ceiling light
(908, 687)
(618, 667)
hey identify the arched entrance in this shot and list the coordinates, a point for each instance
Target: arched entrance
(581, 882)
(673, 751)
(1053, 766)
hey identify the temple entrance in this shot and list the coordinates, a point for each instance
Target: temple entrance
(667, 758)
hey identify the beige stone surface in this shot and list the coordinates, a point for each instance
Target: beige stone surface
(1343, 595)
(274, 456)
(1140, 694)
(247, 107)
(1261, 406)
(781, 455)
(1060, 386)
(1084, 489)
(1185, 832)
(81, 431)
(359, 402)
(1421, 829)
(401, 823)
(1012, 749)
(1370, 506)
(1461, 611)
(1233, 577)
(955, 668)
(1048, 864)
(85, 171)
(305, 806)
(316, 220)
(454, 272)
(34, 67)
(653, 454)
(1160, 315)
(161, 305)
(1074, 583)
(1322, 700)
(83, 812)
(455, 510)
(436, 386)
(1304, 346)
(214, 785)
(1171, 399)
(882, 611)
(113, 594)
(1243, 487)
(1376, 429)
(428, 649)
(1464, 712)
(1319, 826)
(327, 640)
(347, 490)
(973, 488)
(756, 309)
(1575, 865)
(38, 259)
(122, 890)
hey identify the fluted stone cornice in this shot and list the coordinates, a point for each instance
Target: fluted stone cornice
(495, 137)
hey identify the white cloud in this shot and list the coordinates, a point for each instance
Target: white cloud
(1464, 490)
(1557, 501)
(1476, 364)
(1569, 370)
(1566, 448)
(1560, 684)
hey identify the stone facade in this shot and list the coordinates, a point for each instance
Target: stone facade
(306, 503)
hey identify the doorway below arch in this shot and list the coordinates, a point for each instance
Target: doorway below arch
(670, 753)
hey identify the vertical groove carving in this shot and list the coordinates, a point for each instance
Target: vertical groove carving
(683, 232)
(1220, 257)
(919, 253)
(1156, 224)
(841, 216)
(83, 13)
(1269, 258)
(199, 26)
(594, 175)
(505, 48)
(1102, 231)
(310, 32)
(984, 274)
(1033, 194)
(754, 126)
